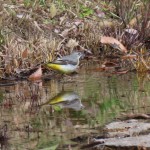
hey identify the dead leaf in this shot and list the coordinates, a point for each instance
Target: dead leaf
(134, 21)
(131, 31)
(107, 23)
(15, 62)
(114, 43)
(25, 53)
(8, 69)
(56, 30)
(129, 56)
(148, 25)
(78, 22)
(36, 75)
(137, 116)
(23, 16)
(62, 19)
(120, 72)
(109, 64)
(66, 31)
(72, 43)
(37, 26)
(17, 70)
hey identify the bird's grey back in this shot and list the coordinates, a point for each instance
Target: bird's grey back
(72, 57)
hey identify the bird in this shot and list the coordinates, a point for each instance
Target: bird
(66, 64)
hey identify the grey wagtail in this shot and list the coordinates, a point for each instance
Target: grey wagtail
(66, 64)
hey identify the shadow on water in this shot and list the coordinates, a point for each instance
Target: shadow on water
(49, 114)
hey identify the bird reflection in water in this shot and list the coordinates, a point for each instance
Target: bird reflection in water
(67, 99)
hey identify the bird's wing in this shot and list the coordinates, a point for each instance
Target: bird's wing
(64, 62)
(71, 57)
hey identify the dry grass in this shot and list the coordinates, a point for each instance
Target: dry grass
(33, 32)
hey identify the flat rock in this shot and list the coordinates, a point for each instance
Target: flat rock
(127, 134)
(126, 128)
(138, 141)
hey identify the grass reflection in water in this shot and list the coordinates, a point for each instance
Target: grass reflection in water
(42, 115)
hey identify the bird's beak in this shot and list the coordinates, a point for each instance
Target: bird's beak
(87, 51)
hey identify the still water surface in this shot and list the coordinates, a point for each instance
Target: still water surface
(47, 115)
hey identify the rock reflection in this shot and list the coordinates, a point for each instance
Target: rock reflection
(67, 99)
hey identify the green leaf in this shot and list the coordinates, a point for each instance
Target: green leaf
(54, 147)
(53, 10)
(57, 108)
(42, 2)
(85, 11)
(1, 97)
(27, 3)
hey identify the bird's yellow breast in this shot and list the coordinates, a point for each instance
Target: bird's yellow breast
(54, 66)
(62, 68)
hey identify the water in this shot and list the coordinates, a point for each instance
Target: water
(80, 106)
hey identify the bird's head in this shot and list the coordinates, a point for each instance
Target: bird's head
(78, 54)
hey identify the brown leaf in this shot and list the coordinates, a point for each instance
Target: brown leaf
(36, 75)
(134, 21)
(66, 31)
(72, 43)
(129, 56)
(15, 62)
(78, 22)
(137, 116)
(120, 72)
(37, 26)
(107, 23)
(114, 43)
(131, 31)
(25, 53)
(109, 64)
(62, 19)
(8, 69)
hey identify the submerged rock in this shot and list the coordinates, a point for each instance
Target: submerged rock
(125, 135)
(126, 128)
(137, 141)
